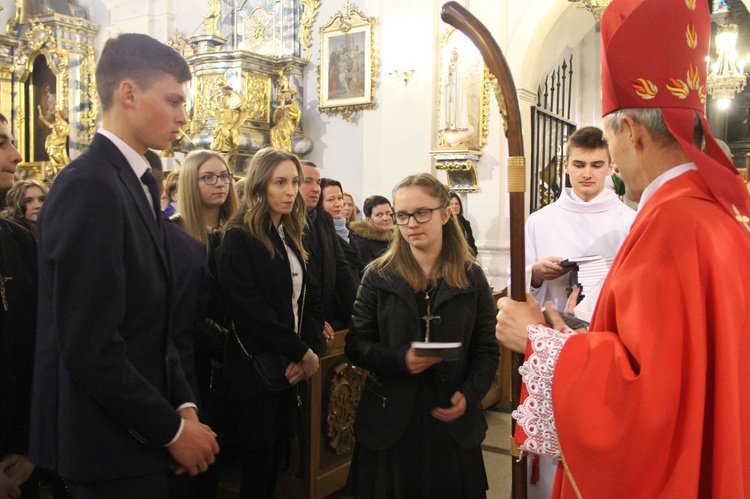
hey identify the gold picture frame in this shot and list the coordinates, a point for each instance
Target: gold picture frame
(348, 64)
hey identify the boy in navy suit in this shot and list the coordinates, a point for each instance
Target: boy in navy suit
(111, 404)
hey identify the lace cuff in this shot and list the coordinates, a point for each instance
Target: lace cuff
(535, 414)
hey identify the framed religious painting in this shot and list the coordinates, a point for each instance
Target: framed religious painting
(348, 65)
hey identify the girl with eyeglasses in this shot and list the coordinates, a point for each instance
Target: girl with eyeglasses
(419, 425)
(205, 202)
(275, 309)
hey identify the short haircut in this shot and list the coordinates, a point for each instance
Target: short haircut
(140, 58)
(653, 121)
(588, 138)
(372, 202)
(327, 182)
(307, 162)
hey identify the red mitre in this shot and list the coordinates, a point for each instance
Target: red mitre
(654, 55)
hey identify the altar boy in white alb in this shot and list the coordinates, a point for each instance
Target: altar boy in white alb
(587, 219)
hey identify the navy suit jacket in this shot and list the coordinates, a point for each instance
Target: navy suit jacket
(107, 377)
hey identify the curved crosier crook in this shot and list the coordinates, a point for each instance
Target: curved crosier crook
(459, 17)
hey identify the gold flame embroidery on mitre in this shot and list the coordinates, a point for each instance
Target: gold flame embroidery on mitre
(692, 36)
(644, 88)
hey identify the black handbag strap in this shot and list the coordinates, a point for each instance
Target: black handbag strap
(299, 326)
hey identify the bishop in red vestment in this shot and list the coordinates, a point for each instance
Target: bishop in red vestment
(654, 401)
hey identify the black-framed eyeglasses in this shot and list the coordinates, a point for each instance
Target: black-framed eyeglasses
(422, 216)
(211, 178)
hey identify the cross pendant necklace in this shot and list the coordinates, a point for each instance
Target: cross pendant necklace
(429, 317)
(4, 279)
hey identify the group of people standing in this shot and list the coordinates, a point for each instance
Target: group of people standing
(145, 335)
(149, 326)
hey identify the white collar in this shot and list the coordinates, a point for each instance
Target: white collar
(662, 179)
(137, 161)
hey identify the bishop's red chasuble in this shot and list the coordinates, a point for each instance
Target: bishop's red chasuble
(656, 401)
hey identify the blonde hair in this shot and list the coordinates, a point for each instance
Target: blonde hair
(254, 213)
(455, 256)
(189, 203)
(355, 208)
(239, 188)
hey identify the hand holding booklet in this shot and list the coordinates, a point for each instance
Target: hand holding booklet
(445, 350)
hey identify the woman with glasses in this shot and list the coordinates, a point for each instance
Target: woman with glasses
(419, 424)
(205, 202)
(373, 234)
(275, 309)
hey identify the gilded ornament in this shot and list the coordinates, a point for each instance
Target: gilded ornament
(212, 17)
(11, 27)
(337, 96)
(286, 116)
(258, 29)
(258, 97)
(56, 142)
(38, 36)
(309, 11)
(500, 96)
(230, 115)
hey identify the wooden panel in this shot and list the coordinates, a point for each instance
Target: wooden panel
(330, 408)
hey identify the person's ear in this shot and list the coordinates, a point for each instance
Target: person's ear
(447, 213)
(126, 93)
(633, 131)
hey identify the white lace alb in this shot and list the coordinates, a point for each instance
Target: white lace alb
(535, 413)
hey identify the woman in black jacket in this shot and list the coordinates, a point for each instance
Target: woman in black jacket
(373, 234)
(273, 306)
(457, 207)
(419, 424)
(332, 201)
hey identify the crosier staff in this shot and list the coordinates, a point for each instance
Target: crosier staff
(457, 16)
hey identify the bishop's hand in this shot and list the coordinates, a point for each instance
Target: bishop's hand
(513, 319)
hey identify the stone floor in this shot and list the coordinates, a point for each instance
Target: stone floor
(496, 455)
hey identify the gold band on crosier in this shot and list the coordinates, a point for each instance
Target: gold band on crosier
(516, 174)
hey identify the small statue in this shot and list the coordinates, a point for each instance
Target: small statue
(286, 116)
(212, 17)
(56, 143)
(230, 115)
(169, 151)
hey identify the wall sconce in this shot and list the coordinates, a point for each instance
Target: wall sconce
(402, 74)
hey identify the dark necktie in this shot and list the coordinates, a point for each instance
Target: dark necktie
(149, 181)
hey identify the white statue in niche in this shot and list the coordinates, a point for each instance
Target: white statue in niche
(455, 113)
(455, 127)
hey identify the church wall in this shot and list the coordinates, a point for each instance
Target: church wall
(373, 151)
